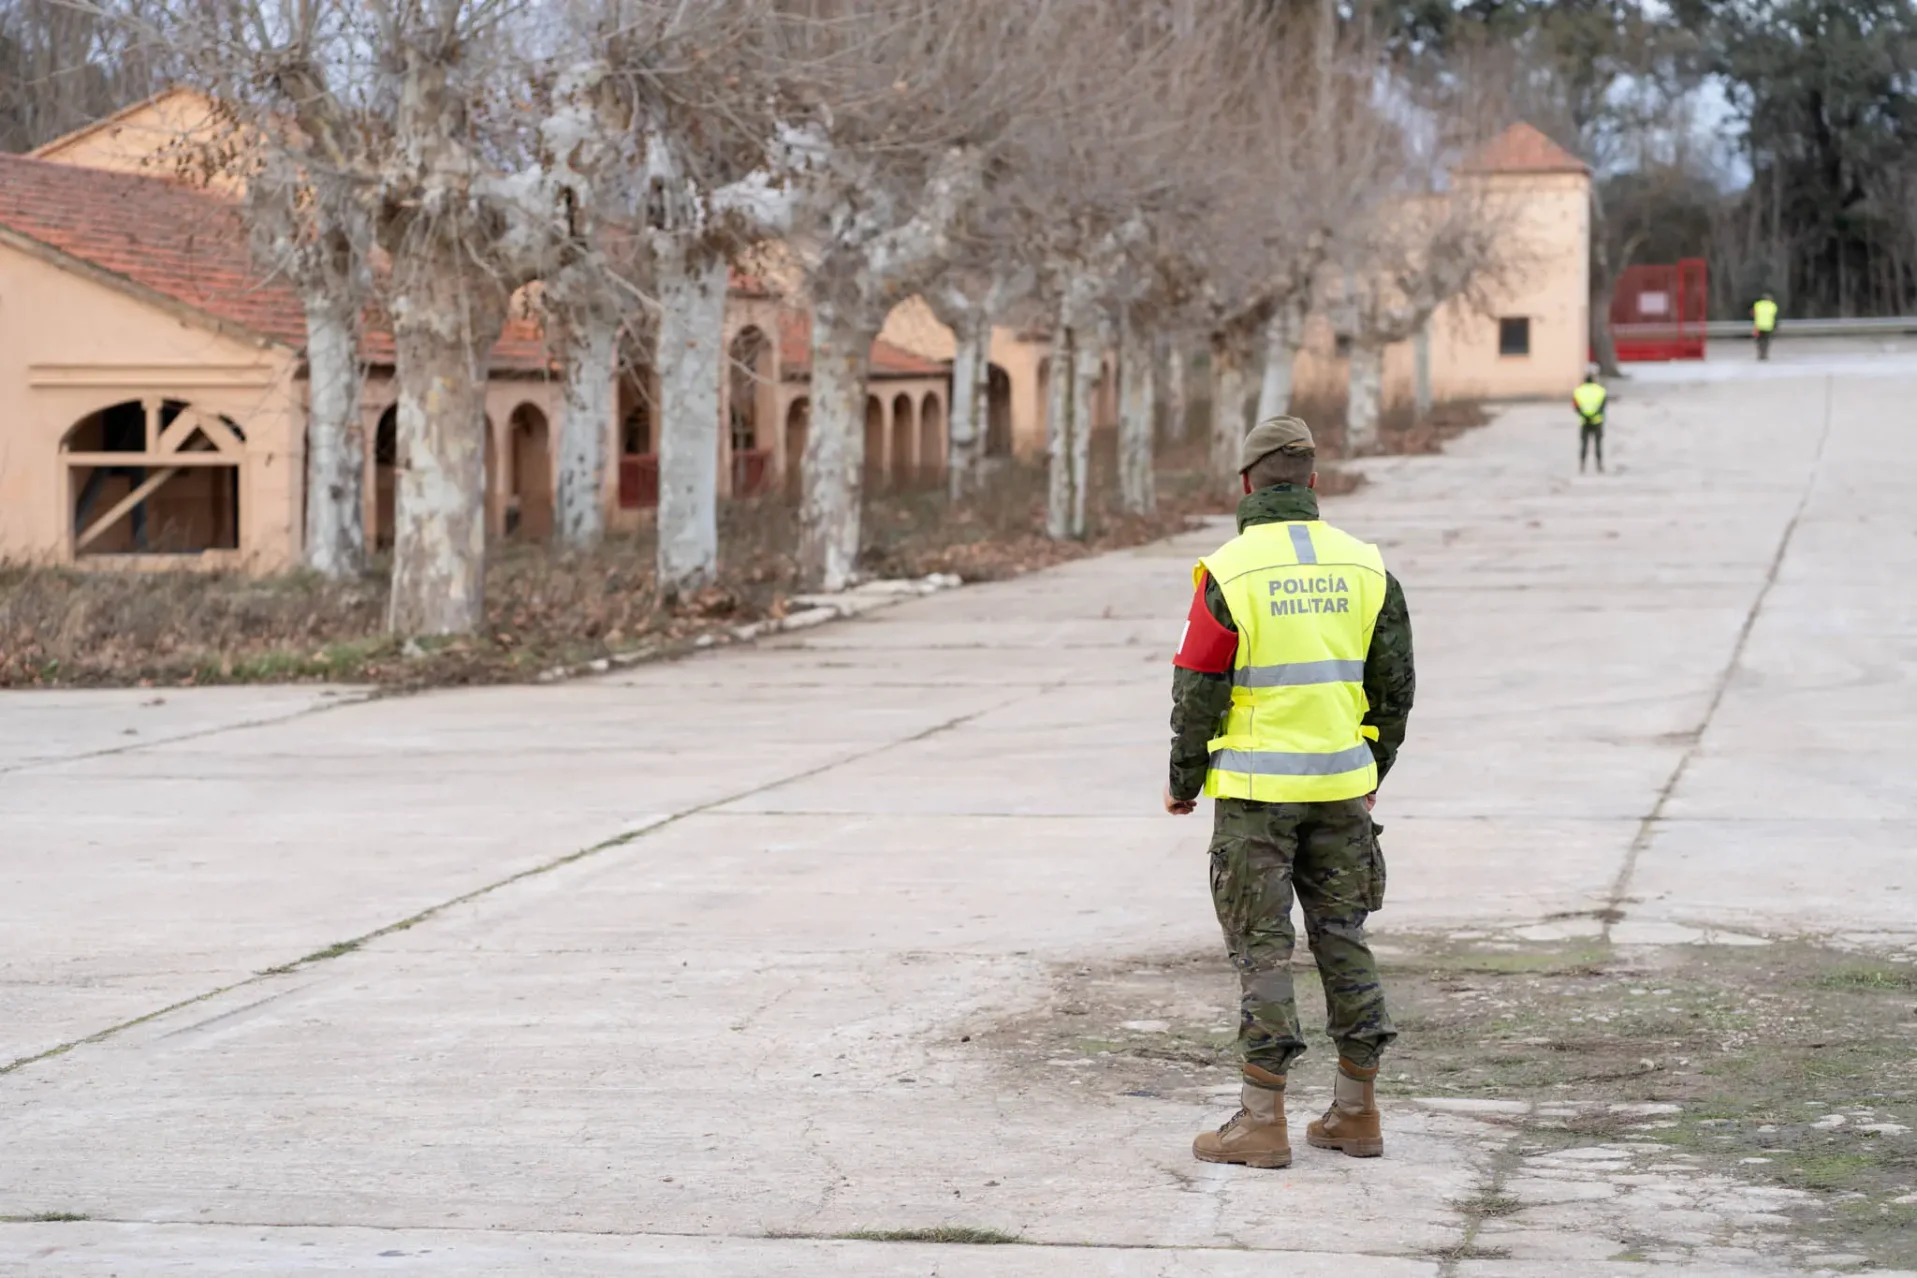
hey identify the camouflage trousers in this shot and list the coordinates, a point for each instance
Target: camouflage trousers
(1328, 854)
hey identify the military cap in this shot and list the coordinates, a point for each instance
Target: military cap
(1275, 435)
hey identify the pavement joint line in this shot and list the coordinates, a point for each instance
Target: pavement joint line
(344, 699)
(494, 1233)
(341, 948)
(1655, 816)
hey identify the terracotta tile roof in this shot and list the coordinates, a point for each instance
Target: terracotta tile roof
(183, 244)
(795, 353)
(1523, 149)
(186, 245)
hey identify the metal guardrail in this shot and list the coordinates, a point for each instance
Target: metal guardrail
(1873, 326)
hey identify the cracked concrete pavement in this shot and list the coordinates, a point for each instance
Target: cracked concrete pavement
(691, 953)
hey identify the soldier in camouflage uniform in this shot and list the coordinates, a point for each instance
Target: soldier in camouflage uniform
(1325, 850)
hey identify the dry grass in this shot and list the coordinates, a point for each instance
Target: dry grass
(60, 627)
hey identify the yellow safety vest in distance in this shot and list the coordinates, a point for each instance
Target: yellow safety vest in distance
(1305, 598)
(1590, 398)
(1764, 315)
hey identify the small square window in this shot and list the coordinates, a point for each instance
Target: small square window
(1514, 335)
(1343, 346)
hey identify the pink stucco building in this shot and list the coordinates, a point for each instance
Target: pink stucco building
(152, 393)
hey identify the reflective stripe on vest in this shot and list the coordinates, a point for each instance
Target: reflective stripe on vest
(1305, 598)
(1589, 398)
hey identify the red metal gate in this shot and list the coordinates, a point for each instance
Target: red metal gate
(1658, 312)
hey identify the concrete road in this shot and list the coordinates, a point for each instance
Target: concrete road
(677, 970)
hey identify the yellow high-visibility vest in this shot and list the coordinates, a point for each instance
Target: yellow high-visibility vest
(1764, 315)
(1589, 398)
(1305, 598)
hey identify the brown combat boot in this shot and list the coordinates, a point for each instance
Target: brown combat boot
(1255, 1136)
(1351, 1124)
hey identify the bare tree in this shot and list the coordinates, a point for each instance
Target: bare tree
(1418, 253)
(307, 224)
(914, 100)
(971, 300)
(65, 65)
(1103, 176)
(417, 110)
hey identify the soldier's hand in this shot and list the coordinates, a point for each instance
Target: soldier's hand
(1179, 807)
(1371, 800)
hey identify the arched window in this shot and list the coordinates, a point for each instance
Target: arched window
(154, 476)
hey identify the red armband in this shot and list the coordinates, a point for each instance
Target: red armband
(1206, 646)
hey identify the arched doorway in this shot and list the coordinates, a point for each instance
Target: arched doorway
(529, 511)
(1045, 401)
(385, 465)
(154, 476)
(638, 458)
(386, 468)
(749, 409)
(797, 418)
(902, 441)
(874, 442)
(998, 412)
(931, 438)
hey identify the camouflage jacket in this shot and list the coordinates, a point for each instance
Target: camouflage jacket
(1200, 699)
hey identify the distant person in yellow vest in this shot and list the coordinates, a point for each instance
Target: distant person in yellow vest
(1763, 324)
(1589, 399)
(1290, 692)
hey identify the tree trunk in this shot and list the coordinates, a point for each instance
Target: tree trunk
(1361, 408)
(1281, 354)
(585, 419)
(692, 311)
(1137, 489)
(1603, 345)
(1421, 371)
(1087, 364)
(1227, 410)
(1061, 434)
(834, 448)
(971, 403)
(444, 327)
(335, 438)
(1177, 400)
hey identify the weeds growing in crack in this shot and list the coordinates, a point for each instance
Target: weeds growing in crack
(960, 1235)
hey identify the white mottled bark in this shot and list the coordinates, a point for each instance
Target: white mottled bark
(1177, 398)
(1421, 361)
(1060, 433)
(335, 438)
(1136, 482)
(834, 449)
(585, 420)
(971, 402)
(1227, 411)
(443, 333)
(692, 307)
(1361, 406)
(1283, 336)
(1087, 363)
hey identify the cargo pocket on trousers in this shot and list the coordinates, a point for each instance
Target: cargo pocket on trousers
(1375, 889)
